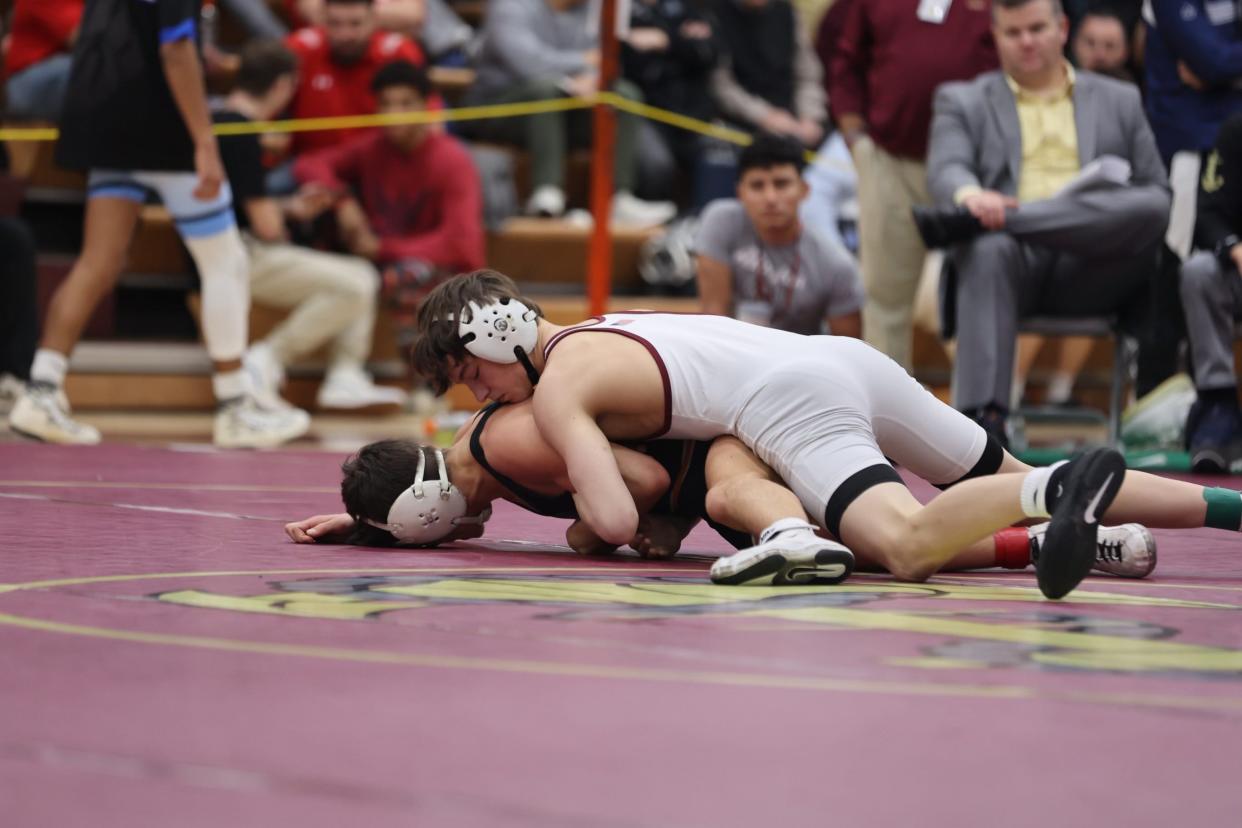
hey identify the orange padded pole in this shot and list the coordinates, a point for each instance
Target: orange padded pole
(604, 127)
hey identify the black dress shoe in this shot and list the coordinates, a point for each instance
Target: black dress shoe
(946, 226)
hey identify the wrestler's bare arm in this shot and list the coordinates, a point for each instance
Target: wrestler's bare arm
(567, 403)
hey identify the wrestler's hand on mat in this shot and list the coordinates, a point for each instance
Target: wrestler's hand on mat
(659, 536)
(584, 541)
(318, 527)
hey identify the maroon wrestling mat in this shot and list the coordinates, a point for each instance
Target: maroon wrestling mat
(168, 658)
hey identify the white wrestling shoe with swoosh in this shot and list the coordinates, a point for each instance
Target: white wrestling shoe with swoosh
(1126, 551)
(789, 553)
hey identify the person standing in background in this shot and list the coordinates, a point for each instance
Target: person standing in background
(889, 59)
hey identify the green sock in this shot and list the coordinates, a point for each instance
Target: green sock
(1224, 509)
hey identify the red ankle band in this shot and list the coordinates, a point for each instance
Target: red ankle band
(1013, 548)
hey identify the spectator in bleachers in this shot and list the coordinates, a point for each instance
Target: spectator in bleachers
(669, 54)
(411, 198)
(1102, 45)
(888, 61)
(431, 23)
(1193, 68)
(756, 261)
(141, 126)
(535, 50)
(37, 63)
(332, 298)
(1004, 148)
(769, 78)
(1212, 297)
(337, 62)
(1098, 44)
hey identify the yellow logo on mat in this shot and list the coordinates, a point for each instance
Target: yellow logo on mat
(965, 636)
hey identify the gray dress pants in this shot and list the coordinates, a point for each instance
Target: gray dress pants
(1087, 253)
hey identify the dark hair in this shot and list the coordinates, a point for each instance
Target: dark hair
(437, 344)
(263, 62)
(402, 73)
(768, 151)
(373, 478)
(1057, 9)
(349, 2)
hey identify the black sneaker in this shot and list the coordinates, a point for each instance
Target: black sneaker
(1091, 481)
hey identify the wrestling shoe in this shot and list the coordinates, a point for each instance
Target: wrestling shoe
(1126, 551)
(42, 412)
(789, 554)
(1088, 483)
(244, 423)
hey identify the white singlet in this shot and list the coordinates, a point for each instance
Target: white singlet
(817, 409)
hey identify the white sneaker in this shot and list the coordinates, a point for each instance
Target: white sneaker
(351, 388)
(43, 413)
(630, 211)
(786, 558)
(1127, 551)
(244, 423)
(11, 389)
(266, 375)
(546, 201)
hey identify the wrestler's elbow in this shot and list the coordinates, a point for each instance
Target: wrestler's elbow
(617, 525)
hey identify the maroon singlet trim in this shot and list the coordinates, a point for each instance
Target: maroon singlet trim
(659, 361)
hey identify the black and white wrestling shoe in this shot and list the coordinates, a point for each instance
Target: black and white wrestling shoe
(1126, 551)
(789, 554)
(1084, 489)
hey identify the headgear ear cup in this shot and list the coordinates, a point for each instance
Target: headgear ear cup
(428, 511)
(496, 329)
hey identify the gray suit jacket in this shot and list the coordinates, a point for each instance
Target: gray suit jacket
(976, 138)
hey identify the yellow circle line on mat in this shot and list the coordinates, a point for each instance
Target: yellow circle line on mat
(569, 669)
(260, 573)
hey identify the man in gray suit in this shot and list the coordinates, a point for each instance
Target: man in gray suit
(1053, 198)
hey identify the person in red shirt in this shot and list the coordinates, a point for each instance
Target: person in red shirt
(39, 57)
(338, 60)
(414, 202)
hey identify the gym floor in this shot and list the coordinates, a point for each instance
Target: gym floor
(168, 658)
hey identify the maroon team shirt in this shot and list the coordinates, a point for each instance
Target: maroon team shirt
(888, 63)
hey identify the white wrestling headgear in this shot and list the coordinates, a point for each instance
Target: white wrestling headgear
(430, 510)
(504, 330)
(496, 329)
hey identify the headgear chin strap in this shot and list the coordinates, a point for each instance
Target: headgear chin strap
(430, 510)
(504, 331)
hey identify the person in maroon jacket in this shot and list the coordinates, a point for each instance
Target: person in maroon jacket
(889, 58)
(410, 196)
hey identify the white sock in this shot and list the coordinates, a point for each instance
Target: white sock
(1060, 387)
(1034, 497)
(49, 367)
(229, 385)
(785, 525)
